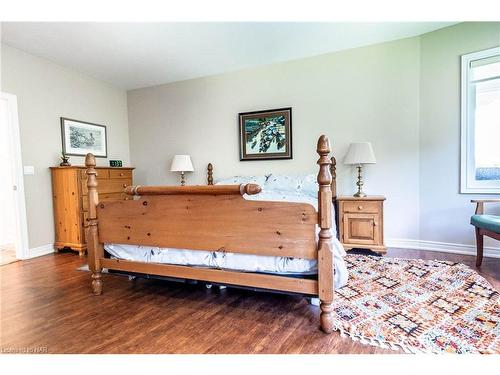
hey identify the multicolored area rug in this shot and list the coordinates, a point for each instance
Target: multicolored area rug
(418, 306)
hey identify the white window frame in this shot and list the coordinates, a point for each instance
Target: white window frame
(468, 183)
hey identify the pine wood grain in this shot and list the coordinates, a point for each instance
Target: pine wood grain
(361, 222)
(250, 189)
(70, 200)
(206, 222)
(256, 280)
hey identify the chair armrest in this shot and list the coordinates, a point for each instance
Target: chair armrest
(480, 204)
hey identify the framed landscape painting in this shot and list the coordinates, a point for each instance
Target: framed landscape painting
(80, 138)
(266, 135)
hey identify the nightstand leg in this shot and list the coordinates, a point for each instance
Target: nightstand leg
(379, 251)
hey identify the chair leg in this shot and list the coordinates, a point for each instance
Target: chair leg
(479, 245)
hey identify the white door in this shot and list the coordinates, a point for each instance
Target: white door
(13, 227)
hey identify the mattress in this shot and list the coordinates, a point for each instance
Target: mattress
(239, 262)
(214, 259)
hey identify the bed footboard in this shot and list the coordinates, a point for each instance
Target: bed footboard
(95, 249)
(325, 254)
(217, 217)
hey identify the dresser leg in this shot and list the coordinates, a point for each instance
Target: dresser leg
(81, 252)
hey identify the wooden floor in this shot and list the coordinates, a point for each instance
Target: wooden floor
(46, 305)
(7, 254)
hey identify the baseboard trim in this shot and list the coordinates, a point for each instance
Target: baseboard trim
(445, 247)
(40, 251)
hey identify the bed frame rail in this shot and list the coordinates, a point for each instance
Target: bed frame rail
(250, 189)
(255, 280)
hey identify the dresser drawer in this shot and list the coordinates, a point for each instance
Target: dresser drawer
(101, 174)
(366, 207)
(120, 173)
(110, 197)
(112, 185)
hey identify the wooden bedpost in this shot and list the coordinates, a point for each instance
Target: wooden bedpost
(210, 174)
(94, 248)
(325, 255)
(333, 172)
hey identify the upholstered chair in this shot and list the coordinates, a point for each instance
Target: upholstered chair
(486, 225)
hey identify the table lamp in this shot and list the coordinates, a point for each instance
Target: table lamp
(358, 154)
(182, 163)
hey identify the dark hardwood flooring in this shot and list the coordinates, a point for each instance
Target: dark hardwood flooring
(46, 303)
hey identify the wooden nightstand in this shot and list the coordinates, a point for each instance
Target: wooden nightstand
(361, 222)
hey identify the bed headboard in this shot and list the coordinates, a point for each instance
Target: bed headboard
(333, 172)
(210, 174)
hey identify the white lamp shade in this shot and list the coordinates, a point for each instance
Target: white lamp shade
(181, 163)
(360, 153)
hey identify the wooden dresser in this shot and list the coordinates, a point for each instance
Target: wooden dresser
(69, 189)
(361, 222)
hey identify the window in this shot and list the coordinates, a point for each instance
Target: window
(480, 166)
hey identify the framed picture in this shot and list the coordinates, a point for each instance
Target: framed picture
(79, 138)
(266, 135)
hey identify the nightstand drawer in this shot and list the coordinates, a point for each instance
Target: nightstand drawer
(361, 207)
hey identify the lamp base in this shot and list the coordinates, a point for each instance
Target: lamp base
(360, 193)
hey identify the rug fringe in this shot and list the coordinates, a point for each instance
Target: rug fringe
(354, 336)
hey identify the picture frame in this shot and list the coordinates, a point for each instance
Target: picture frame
(266, 135)
(81, 137)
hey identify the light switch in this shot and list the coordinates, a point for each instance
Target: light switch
(29, 169)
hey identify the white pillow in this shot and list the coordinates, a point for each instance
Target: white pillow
(310, 185)
(298, 184)
(238, 180)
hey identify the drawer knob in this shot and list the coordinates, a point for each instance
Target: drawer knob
(124, 185)
(360, 207)
(374, 223)
(121, 174)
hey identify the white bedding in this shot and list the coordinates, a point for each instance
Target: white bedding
(246, 262)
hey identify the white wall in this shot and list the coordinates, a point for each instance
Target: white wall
(403, 96)
(363, 94)
(444, 212)
(45, 92)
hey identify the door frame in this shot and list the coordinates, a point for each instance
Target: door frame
(22, 249)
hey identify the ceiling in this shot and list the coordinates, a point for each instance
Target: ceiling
(134, 55)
